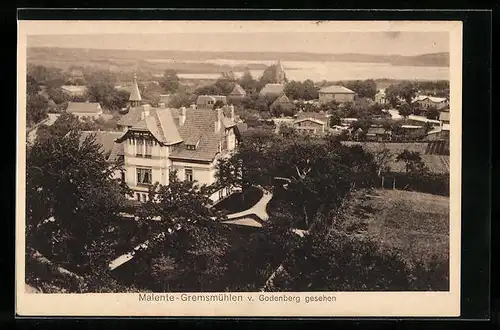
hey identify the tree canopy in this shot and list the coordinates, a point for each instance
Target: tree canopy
(170, 81)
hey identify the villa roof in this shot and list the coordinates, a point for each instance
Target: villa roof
(106, 139)
(133, 116)
(199, 127)
(84, 107)
(161, 124)
(238, 91)
(336, 89)
(272, 89)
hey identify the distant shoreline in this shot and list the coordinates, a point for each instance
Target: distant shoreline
(430, 60)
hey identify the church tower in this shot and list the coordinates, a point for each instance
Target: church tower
(280, 73)
(135, 95)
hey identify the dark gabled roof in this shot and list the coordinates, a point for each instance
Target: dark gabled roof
(83, 107)
(238, 91)
(200, 127)
(106, 139)
(281, 99)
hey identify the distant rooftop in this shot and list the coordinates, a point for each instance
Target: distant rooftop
(336, 89)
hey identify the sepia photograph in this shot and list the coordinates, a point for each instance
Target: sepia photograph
(238, 168)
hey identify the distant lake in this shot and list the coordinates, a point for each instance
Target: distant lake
(327, 70)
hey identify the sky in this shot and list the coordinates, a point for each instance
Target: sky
(312, 38)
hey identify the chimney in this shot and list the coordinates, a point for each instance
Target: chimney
(145, 111)
(218, 120)
(182, 116)
(231, 109)
(161, 105)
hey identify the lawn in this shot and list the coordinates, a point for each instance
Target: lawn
(416, 223)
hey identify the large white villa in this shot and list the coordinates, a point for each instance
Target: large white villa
(156, 141)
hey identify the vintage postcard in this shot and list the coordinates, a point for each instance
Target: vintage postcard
(239, 168)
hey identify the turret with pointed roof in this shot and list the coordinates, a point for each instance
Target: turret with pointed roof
(280, 73)
(135, 95)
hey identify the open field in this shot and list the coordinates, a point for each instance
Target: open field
(415, 223)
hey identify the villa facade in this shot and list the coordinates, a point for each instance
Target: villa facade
(158, 141)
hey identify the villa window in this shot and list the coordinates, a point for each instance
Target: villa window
(139, 148)
(149, 145)
(221, 194)
(188, 174)
(144, 176)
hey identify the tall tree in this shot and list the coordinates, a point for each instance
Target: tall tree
(170, 81)
(69, 180)
(192, 230)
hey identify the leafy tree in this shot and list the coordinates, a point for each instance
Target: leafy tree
(32, 86)
(36, 108)
(334, 120)
(248, 83)
(209, 90)
(297, 90)
(106, 94)
(218, 104)
(366, 268)
(413, 161)
(432, 113)
(50, 77)
(366, 88)
(178, 100)
(170, 81)
(70, 181)
(58, 95)
(405, 110)
(192, 229)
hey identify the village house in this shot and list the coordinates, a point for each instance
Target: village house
(337, 93)
(237, 93)
(281, 101)
(84, 109)
(157, 141)
(165, 99)
(378, 134)
(312, 123)
(208, 101)
(380, 97)
(74, 90)
(275, 89)
(425, 102)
